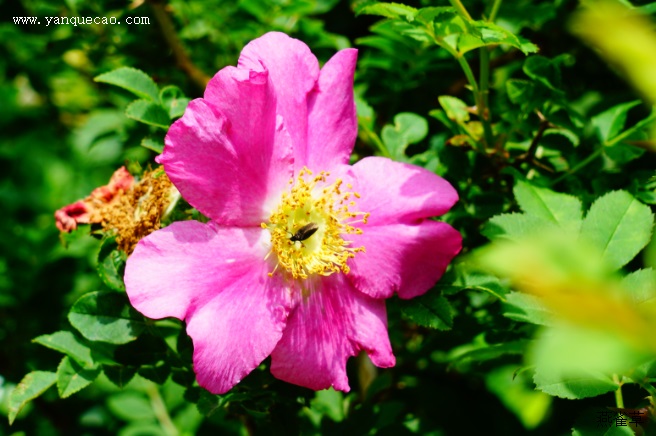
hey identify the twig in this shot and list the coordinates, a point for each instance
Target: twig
(170, 35)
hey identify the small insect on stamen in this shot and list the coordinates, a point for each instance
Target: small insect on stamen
(304, 232)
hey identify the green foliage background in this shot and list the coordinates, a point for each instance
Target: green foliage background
(566, 130)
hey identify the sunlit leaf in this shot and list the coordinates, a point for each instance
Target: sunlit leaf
(133, 80)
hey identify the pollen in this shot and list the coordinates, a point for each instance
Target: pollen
(310, 227)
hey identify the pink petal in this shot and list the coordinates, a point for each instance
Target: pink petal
(215, 278)
(180, 267)
(293, 72)
(395, 192)
(223, 174)
(237, 330)
(402, 258)
(331, 324)
(333, 123)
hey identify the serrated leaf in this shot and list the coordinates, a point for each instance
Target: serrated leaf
(133, 80)
(515, 226)
(408, 129)
(387, 10)
(67, 343)
(562, 209)
(610, 123)
(148, 112)
(72, 378)
(527, 308)
(31, 386)
(111, 264)
(574, 387)
(430, 310)
(106, 317)
(619, 226)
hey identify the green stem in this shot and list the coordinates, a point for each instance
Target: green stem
(461, 9)
(619, 400)
(159, 408)
(495, 10)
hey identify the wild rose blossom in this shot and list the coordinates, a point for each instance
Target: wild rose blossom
(302, 249)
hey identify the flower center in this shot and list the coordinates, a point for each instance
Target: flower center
(309, 225)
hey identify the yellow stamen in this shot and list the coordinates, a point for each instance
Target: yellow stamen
(308, 225)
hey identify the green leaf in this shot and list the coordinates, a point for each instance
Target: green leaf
(547, 71)
(517, 394)
(329, 402)
(71, 377)
(641, 285)
(618, 225)
(429, 310)
(153, 144)
(173, 100)
(429, 14)
(131, 406)
(408, 129)
(487, 33)
(106, 317)
(573, 387)
(31, 386)
(69, 344)
(563, 209)
(120, 375)
(148, 112)
(111, 264)
(387, 10)
(515, 226)
(527, 308)
(455, 108)
(610, 123)
(133, 80)
(479, 355)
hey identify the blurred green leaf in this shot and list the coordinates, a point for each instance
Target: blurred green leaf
(120, 375)
(408, 129)
(455, 108)
(131, 406)
(610, 123)
(71, 377)
(107, 317)
(133, 80)
(527, 308)
(31, 386)
(387, 10)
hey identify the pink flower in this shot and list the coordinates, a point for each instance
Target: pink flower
(302, 249)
